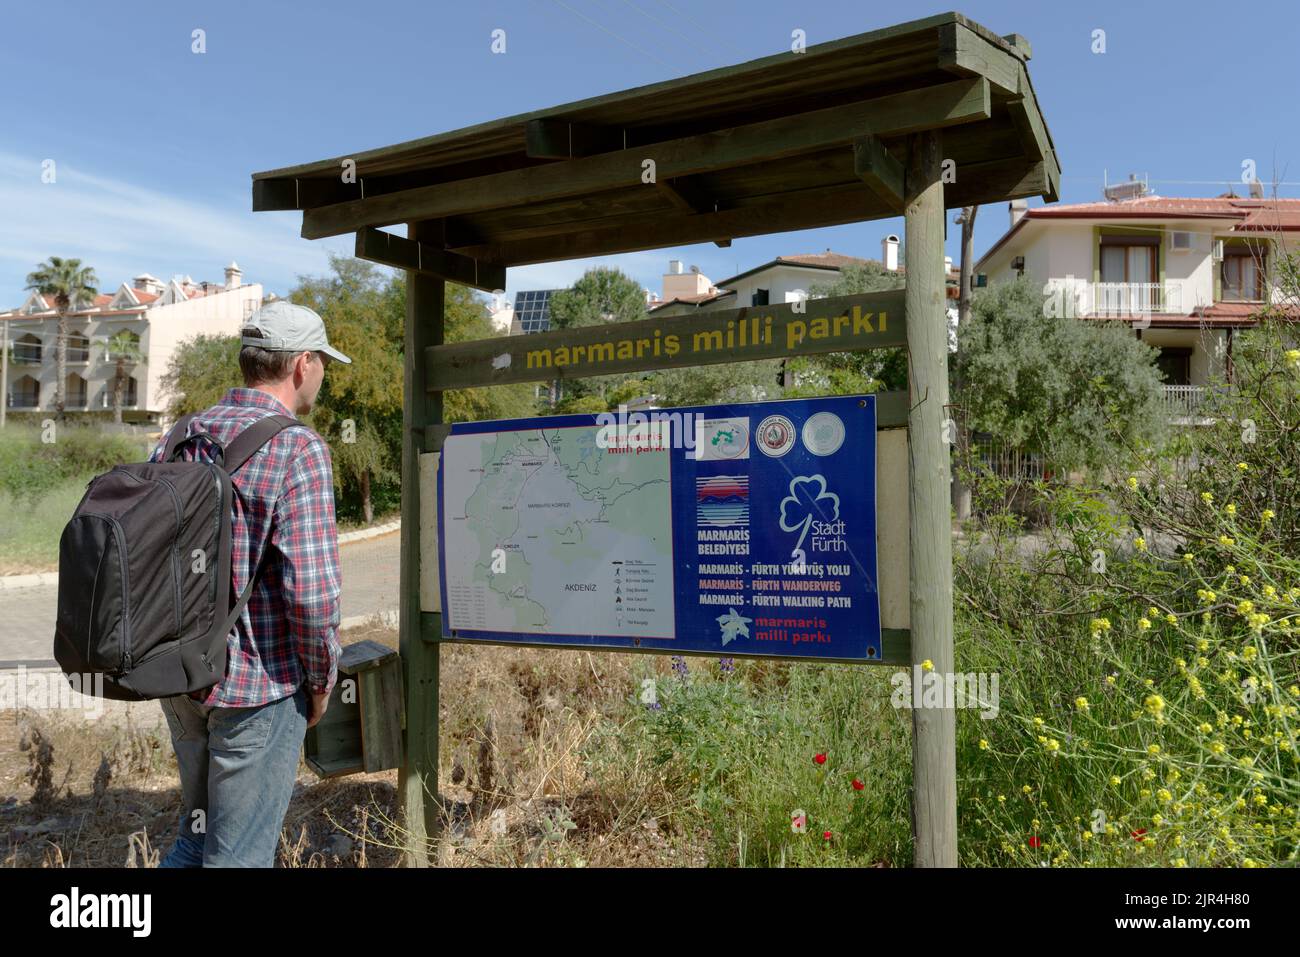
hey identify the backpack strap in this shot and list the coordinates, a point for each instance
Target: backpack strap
(177, 435)
(247, 593)
(241, 449)
(243, 446)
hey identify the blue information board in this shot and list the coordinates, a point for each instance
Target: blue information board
(736, 530)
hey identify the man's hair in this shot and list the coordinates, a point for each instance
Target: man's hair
(263, 365)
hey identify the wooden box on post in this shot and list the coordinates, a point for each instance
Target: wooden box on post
(361, 730)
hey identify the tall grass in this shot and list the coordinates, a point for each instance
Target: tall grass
(41, 483)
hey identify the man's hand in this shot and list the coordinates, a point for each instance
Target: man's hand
(319, 702)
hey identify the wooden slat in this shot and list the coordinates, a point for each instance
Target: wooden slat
(866, 321)
(960, 101)
(882, 174)
(378, 246)
(382, 716)
(363, 656)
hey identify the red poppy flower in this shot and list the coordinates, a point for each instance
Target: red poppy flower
(1137, 835)
(858, 785)
(819, 758)
(826, 835)
(1034, 841)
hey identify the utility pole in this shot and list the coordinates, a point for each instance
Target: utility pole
(961, 493)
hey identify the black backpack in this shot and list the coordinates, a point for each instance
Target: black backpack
(144, 570)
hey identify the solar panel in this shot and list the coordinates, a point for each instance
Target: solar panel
(533, 310)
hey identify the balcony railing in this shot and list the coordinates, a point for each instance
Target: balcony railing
(1183, 401)
(1135, 298)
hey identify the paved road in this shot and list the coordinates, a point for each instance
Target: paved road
(370, 582)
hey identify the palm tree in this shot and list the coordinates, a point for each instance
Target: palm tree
(125, 347)
(72, 286)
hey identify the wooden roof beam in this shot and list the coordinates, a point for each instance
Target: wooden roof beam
(803, 209)
(947, 104)
(386, 249)
(560, 139)
(882, 173)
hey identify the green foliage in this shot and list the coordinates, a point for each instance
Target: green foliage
(843, 373)
(199, 372)
(30, 468)
(722, 383)
(601, 295)
(71, 284)
(1081, 393)
(1148, 645)
(738, 753)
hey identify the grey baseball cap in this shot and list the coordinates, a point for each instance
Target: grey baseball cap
(286, 327)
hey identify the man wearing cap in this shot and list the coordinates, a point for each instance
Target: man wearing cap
(237, 743)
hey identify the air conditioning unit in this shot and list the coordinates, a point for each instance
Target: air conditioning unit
(1218, 250)
(1181, 241)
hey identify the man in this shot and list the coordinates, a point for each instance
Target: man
(237, 743)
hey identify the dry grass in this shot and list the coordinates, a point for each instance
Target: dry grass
(518, 785)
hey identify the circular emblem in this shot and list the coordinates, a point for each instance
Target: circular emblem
(823, 434)
(775, 436)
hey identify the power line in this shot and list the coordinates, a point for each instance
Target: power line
(605, 29)
(705, 30)
(669, 28)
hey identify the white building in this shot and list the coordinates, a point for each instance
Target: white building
(1184, 273)
(155, 316)
(783, 279)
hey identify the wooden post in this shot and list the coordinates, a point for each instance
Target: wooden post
(934, 763)
(417, 781)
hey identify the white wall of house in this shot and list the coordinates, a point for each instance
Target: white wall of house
(221, 314)
(160, 329)
(783, 284)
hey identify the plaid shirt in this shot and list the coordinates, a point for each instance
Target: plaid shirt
(284, 494)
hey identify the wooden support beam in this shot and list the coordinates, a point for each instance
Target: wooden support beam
(961, 101)
(962, 52)
(879, 170)
(866, 321)
(417, 781)
(685, 196)
(722, 243)
(378, 246)
(934, 763)
(560, 139)
(274, 194)
(779, 213)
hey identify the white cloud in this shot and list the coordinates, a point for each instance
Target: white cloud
(122, 229)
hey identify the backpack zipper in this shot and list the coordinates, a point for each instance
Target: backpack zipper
(176, 568)
(126, 591)
(125, 644)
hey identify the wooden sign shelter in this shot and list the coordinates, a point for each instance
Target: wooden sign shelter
(912, 119)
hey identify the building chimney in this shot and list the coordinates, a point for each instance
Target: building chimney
(889, 252)
(674, 267)
(233, 275)
(1017, 208)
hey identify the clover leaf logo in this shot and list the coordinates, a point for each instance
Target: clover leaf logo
(807, 492)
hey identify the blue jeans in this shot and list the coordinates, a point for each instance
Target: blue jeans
(237, 767)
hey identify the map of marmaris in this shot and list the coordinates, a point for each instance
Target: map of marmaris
(554, 535)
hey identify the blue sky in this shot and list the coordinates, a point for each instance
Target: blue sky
(154, 144)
